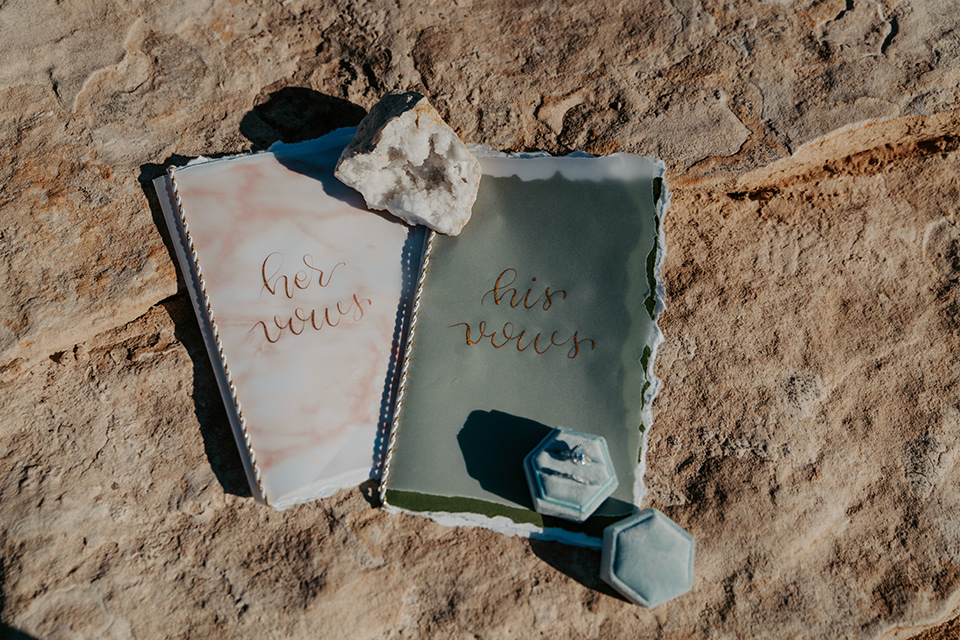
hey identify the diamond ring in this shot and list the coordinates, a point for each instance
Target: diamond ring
(574, 454)
(578, 456)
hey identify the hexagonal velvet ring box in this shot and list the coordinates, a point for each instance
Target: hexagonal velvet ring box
(648, 558)
(570, 474)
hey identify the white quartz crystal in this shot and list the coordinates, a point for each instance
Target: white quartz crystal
(406, 160)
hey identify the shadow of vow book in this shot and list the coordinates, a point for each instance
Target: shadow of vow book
(540, 314)
(301, 296)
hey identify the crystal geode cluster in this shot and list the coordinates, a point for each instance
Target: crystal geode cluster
(406, 160)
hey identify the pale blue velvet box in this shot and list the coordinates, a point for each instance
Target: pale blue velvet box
(570, 474)
(648, 558)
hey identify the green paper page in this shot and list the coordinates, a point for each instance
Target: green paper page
(542, 313)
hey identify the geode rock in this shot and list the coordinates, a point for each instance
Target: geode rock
(406, 160)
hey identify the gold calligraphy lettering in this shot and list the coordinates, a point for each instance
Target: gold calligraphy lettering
(266, 332)
(504, 290)
(358, 314)
(479, 333)
(502, 287)
(274, 281)
(302, 280)
(272, 288)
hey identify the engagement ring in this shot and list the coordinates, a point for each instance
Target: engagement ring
(578, 456)
(574, 454)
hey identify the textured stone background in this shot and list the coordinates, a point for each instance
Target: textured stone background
(808, 432)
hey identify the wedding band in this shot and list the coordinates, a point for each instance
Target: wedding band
(564, 474)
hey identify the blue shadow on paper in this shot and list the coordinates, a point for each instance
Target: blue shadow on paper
(494, 444)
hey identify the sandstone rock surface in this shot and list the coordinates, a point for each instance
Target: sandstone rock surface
(808, 431)
(406, 160)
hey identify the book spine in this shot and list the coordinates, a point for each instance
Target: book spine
(215, 348)
(401, 387)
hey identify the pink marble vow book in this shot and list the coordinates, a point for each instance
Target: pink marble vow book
(301, 297)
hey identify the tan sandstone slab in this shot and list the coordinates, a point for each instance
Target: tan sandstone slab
(96, 93)
(807, 433)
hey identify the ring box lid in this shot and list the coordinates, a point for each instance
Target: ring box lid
(648, 558)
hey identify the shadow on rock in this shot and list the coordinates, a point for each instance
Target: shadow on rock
(9, 633)
(579, 563)
(149, 172)
(218, 440)
(370, 490)
(295, 114)
(208, 408)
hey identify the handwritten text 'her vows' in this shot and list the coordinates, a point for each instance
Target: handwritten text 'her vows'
(288, 285)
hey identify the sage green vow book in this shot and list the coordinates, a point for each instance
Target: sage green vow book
(541, 313)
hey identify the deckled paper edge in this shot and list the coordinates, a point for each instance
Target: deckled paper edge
(656, 335)
(503, 524)
(322, 489)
